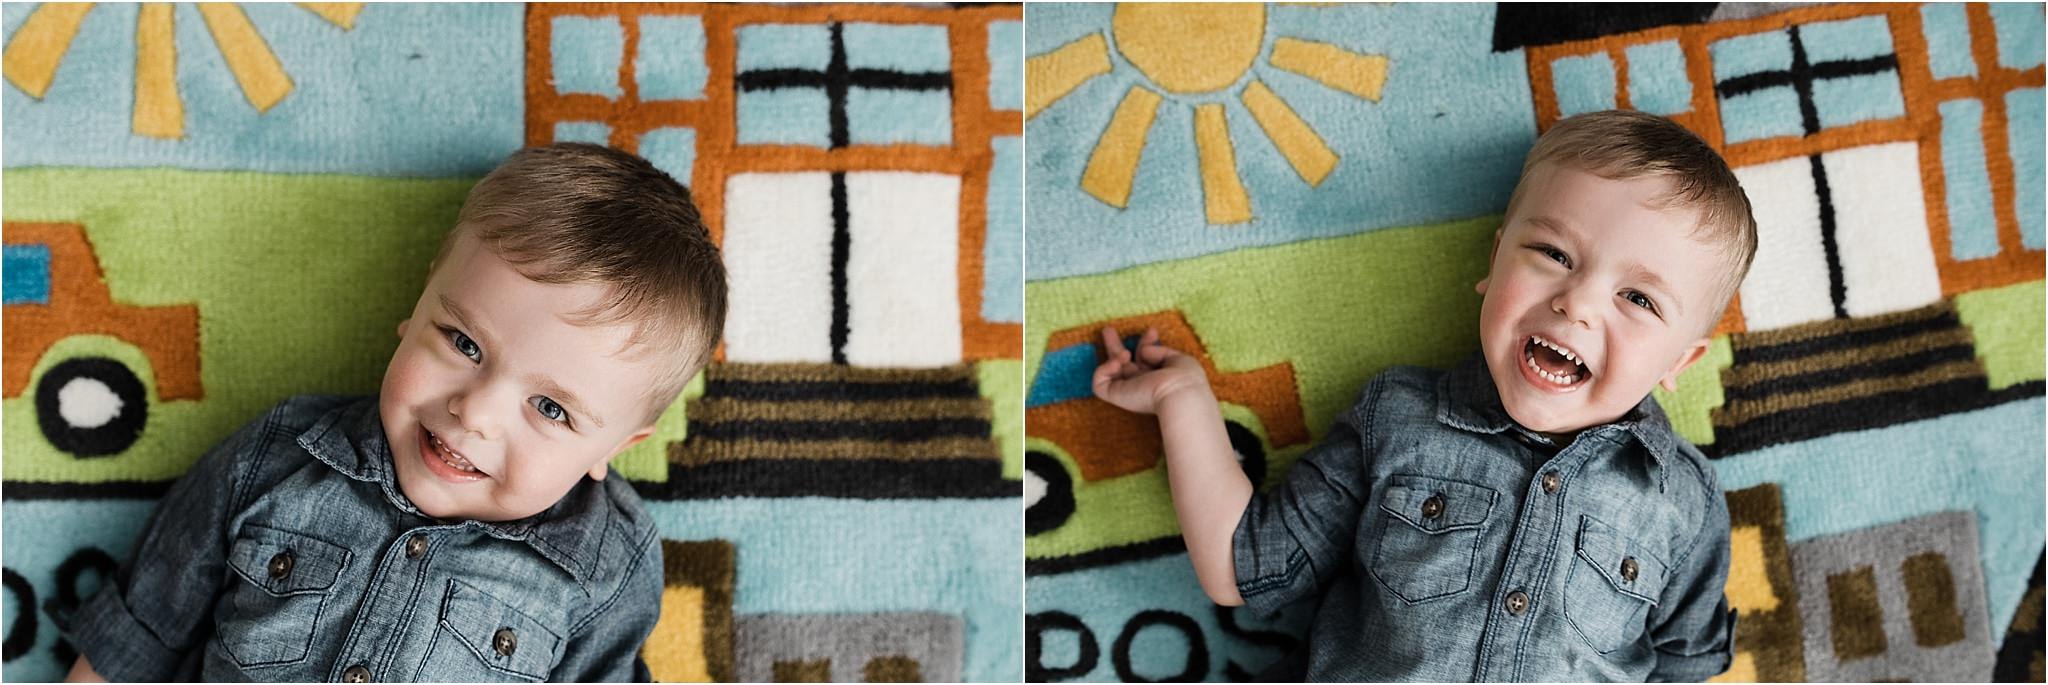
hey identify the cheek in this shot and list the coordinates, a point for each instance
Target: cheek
(1505, 297)
(412, 373)
(545, 477)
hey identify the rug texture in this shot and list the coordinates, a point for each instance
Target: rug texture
(1302, 195)
(212, 207)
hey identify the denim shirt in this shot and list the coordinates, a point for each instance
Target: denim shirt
(1448, 543)
(288, 553)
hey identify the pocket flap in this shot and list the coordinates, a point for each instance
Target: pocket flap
(475, 617)
(1608, 550)
(285, 563)
(1436, 505)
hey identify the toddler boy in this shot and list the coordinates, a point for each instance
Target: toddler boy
(1530, 514)
(444, 529)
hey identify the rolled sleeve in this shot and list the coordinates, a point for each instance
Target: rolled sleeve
(120, 646)
(1294, 538)
(607, 646)
(157, 609)
(1695, 636)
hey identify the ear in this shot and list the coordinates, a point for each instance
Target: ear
(402, 325)
(597, 472)
(1480, 287)
(1685, 361)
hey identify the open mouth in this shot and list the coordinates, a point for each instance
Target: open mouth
(1553, 363)
(450, 458)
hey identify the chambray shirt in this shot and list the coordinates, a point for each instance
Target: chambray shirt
(288, 553)
(1448, 543)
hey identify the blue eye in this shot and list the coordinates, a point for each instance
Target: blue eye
(465, 346)
(1640, 300)
(551, 410)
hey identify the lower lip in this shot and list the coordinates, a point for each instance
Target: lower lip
(441, 469)
(1541, 383)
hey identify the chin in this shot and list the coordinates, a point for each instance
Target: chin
(1541, 422)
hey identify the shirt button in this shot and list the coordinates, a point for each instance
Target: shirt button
(1628, 569)
(416, 546)
(505, 642)
(1518, 602)
(281, 565)
(355, 674)
(1433, 506)
(1550, 482)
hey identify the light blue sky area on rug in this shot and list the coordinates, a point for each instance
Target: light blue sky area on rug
(412, 90)
(811, 555)
(60, 529)
(1445, 140)
(1107, 598)
(1987, 461)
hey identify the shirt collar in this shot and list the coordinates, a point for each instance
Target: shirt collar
(350, 438)
(1468, 400)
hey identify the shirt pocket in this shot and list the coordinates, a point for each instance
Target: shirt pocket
(1612, 584)
(271, 615)
(482, 638)
(1429, 536)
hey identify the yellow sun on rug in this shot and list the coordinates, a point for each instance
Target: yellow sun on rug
(1196, 50)
(33, 53)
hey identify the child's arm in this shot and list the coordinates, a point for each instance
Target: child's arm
(1209, 490)
(1692, 629)
(158, 605)
(81, 672)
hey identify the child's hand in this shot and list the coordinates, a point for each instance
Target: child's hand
(1142, 384)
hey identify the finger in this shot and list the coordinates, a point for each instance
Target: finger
(1112, 344)
(1150, 338)
(1107, 373)
(1156, 355)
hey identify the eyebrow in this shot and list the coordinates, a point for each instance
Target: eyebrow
(1652, 281)
(563, 397)
(1553, 225)
(548, 386)
(462, 316)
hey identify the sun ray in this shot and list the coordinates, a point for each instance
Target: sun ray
(32, 56)
(1305, 150)
(159, 112)
(1360, 75)
(256, 68)
(1223, 193)
(342, 14)
(1115, 161)
(1050, 76)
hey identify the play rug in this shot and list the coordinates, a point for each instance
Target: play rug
(1303, 194)
(211, 207)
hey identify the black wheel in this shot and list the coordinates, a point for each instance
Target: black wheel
(91, 406)
(1251, 454)
(1048, 493)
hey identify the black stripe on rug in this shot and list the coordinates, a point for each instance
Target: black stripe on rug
(875, 479)
(1859, 371)
(1829, 342)
(1873, 411)
(820, 391)
(906, 430)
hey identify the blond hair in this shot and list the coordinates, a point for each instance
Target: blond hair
(1622, 145)
(574, 213)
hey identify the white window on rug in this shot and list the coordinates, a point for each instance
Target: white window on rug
(858, 268)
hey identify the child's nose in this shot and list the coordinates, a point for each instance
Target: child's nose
(1574, 306)
(475, 412)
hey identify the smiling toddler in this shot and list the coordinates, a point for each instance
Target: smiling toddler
(458, 526)
(1529, 514)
